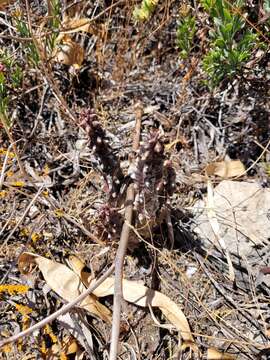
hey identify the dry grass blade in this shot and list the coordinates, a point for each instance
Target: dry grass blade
(211, 213)
(213, 354)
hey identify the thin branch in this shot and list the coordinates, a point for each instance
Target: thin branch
(122, 248)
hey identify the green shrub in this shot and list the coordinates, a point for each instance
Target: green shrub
(231, 42)
(185, 34)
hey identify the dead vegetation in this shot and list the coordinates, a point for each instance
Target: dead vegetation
(125, 152)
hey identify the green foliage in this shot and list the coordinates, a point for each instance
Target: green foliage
(231, 43)
(143, 12)
(10, 79)
(54, 22)
(185, 34)
(266, 6)
(29, 46)
(3, 93)
(16, 76)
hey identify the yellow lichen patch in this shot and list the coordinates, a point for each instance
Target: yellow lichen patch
(18, 183)
(26, 322)
(13, 289)
(7, 348)
(45, 193)
(24, 232)
(23, 309)
(9, 173)
(48, 330)
(59, 213)
(35, 237)
(3, 194)
(46, 170)
(43, 348)
(63, 356)
(3, 151)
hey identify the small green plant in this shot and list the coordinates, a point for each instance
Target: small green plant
(185, 35)
(231, 43)
(10, 79)
(143, 12)
(54, 22)
(29, 46)
(3, 90)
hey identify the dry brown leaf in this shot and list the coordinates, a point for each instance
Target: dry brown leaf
(70, 26)
(64, 282)
(136, 293)
(79, 267)
(213, 354)
(68, 52)
(67, 284)
(226, 169)
(5, 3)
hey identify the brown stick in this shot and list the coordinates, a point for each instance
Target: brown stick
(122, 248)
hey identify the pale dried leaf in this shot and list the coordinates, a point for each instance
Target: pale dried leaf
(213, 354)
(226, 169)
(69, 53)
(64, 282)
(79, 267)
(140, 295)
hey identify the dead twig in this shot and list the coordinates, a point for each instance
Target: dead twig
(122, 248)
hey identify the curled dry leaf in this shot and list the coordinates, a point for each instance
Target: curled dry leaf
(68, 52)
(79, 267)
(226, 169)
(213, 354)
(5, 3)
(64, 282)
(71, 25)
(138, 294)
(67, 284)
